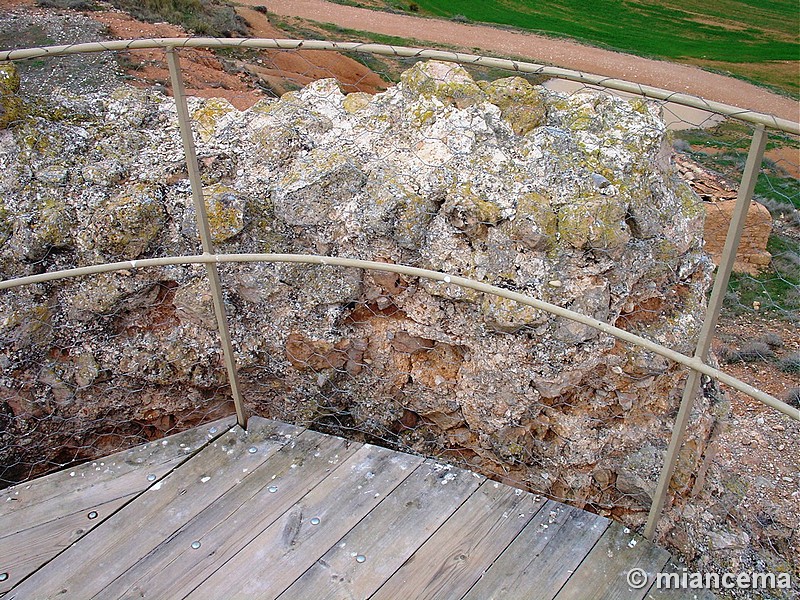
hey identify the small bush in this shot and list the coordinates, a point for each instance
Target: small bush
(750, 353)
(460, 19)
(413, 7)
(681, 145)
(773, 340)
(790, 364)
(725, 354)
(793, 397)
(71, 4)
(262, 9)
(205, 17)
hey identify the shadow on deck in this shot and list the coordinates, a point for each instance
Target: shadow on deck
(278, 511)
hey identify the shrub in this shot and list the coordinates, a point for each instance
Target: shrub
(71, 4)
(790, 364)
(413, 7)
(207, 17)
(773, 340)
(460, 19)
(749, 353)
(793, 397)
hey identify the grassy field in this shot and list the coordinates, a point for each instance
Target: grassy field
(755, 39)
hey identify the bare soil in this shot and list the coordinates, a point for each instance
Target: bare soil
(203, 73)
(758, 445)
(206, 75)
(306, 66)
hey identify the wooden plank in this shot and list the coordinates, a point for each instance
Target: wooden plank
(288, 547)
(456, 556)
(543, 556)
(43, 517)
(603, 575)
(174, 568)
(93, 561)
(388, 535)
(39, 497)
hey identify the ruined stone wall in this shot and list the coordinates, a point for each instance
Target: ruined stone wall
(752, 256)
(719, 194)
(562, 198)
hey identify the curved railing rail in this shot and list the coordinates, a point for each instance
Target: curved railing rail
(335, 261)
(696, 363)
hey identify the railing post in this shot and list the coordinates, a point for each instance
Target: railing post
(179, 94)
(748, 184)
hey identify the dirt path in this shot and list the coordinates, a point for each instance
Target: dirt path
(571, 55)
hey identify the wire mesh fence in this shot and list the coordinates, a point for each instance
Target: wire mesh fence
(583, 198)
(95, 365)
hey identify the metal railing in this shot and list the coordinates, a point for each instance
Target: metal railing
(697, 363)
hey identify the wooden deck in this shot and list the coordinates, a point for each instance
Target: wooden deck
(277, 511)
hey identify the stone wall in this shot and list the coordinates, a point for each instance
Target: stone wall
(563, 198)
(719, 195)
(752, 256)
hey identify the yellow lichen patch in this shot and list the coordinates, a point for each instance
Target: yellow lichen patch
(54, 223)
(11, 105)
(535, 223)
(421, 114)
(356, 101)
(509, 316)
(207, 118)
(263, 106)
(691, 204)
(639, 105)
(225, 212)
(596, 222)
(448, 82)
(9, 79)
(127, 224)
(468, 210)
(6, 223)
(581, 118)
(519, 102)
(414, 213)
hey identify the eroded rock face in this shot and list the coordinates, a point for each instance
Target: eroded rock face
(561, 198)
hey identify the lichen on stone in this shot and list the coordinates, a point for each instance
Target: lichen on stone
(127, 224)
(448, 82)
(356, 101)
(207, 118)
(225, 209)
(595, 222)
(520, 103)
(535, 223)
(54, 223)
(12, 108)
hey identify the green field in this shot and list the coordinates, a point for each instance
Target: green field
(757, 39)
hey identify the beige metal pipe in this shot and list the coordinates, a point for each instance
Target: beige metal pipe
(691, 362)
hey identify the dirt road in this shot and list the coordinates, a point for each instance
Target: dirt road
(562, 53)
